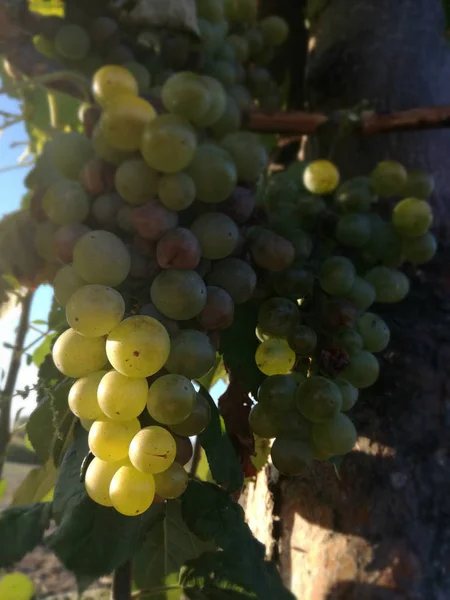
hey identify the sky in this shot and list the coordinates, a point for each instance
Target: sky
(12, 191)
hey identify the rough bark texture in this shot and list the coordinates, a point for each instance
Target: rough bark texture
(383, 530)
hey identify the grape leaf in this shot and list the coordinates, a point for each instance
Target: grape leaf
(222, 458)
(36, 485)
(21, 530)
(43, 349)
(3, 487)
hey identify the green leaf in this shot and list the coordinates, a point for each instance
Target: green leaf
(167, 546)
(3, 487)
(216, 374)
(203, 471)
(36, 485)
(44, 349)
(222, 458)
(21, 530)
(57, 317)
(238, 344)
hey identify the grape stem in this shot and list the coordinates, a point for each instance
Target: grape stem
(121, 584)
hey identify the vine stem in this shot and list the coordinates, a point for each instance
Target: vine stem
(121, 583)
(7, 393)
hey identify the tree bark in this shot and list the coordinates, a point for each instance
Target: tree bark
(382, 530)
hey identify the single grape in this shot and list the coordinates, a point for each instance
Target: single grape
(419, 250)
(176, 191)
(275, 30)
(337, 313)
(140, 73)
(335, 437)
(255, 42)
(197, 421)
(290, 456)
(318, 399)
(362, 294)
(98, 479)
(16, 586)
(65, 239)
(43, 240)
(294, 282)
(278, 316)
(109, 440)
(66, 283)
(105, 151)
(353, 230)
(218, 312)
(72, 41)
(302, 340)
(248, 153)
(230, 121)
(240, 45)
(373, 331)
(152, 450)
(131, 491)
(355, 195)
(82, 397)
(123, 121)
(95, 310)
(349, 339)
(179, 295)
(213, 172)
(152, 220)
(263, 422)
(274, 357)
(303, 244)
(388, 178)
(122, 398)
(186, 94)
(337, 276)
(138, 347)
(321, 177)
(362, 371)
(419, 184)
(310, 209)
(101, 257)
(172, 482)
(136, 182)
(77, 356)
(271, 251)
(70, 151)
(211, 10)
(217, 234)
(185, 449)
(178, 249)
(217, 105)
(277, 393)
(241, 96)
(348, 392)
(124, 219)
(65, 203)
(235, 276)
(240, 205)
(390, 285)
(110, 81)
(150, 310)
(102, 29)
(105, 210)
(191, 354)
(171, 399)
(412, 217)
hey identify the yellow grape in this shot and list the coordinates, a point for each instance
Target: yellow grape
(321, 177)
(275, 357)
(172, 482)
(111, 81)
(123, 121)
(16, 586)
(86, 424)
(95, 310)
(66, 283)
(131, 491)
(122, 398)
(138, 347)
(77, 356)
(152, 450)
(98, 479)
(110, 440)
(83, 396)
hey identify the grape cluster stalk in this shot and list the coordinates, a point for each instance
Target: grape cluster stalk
(157, 221)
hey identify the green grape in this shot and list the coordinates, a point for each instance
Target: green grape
(169, 143)
(140, 73)
(241, 96)
(362, 294)
(77, 356)
(302, 243)
(310, 209)
(123, 123)
(349, 339)
(390, 285)
(65, 203)
(277, 393)
(95, 310)
(211, 10)
(355, 195)
(388, 178)
(290, 456)
(119, 54)
(217, 234)
(45, 46)
(336, 437)
(321, 177)
(197, 421)
(348, 392)
(258, 79)
(105, 209)
(176, 191)
(419, 184)
(152, 450)
(43, 240)
(72, 41)
(384, 240)
(229, 122)
(337, 276)
(70, 152)
(263, 422)
(271, 251)
(172, 482)
(105, 151)
(302, 340)
(235, 276)
(248, 153)
(419, 250)
(178, 294)
(277, 316)
(16, 586)
(412, 217)
(98, 479)
(191, 354)
(186, 94)
(122, 398)
(353, 230)
(102, 29)
(255, 42)
(293, 425)
(217, 105)
(111, 81)
(213, 172)
(171, 399)
(362, 371)
(318, 399)
(124, 219)
(275, 30)
(82, 397)
(138, 347)
(223, 71)
(212, 35)
(294, 282)
(66, 283)
(240, 45)
(101, 257)
(281, 187)
(373, 331)
(110, 440)
(131, 491)
(136, 182)
(219, 309)
(274, 357)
